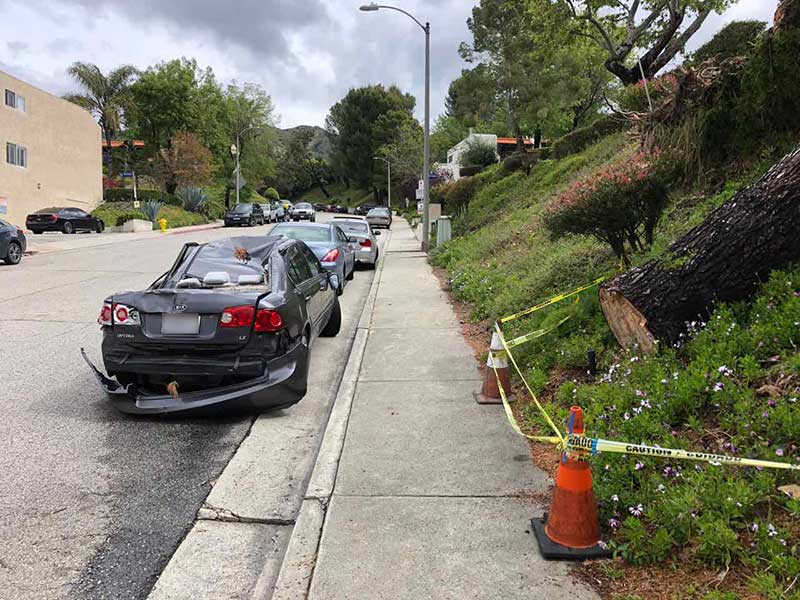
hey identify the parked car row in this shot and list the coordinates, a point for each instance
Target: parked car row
(230, 325)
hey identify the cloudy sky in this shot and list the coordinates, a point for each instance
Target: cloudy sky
(305, 53)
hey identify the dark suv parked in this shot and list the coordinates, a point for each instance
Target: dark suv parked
(245, 214)
(68, 220)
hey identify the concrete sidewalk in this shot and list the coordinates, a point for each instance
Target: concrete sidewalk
(431, 495)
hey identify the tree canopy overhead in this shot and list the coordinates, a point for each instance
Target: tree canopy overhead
(656, 29)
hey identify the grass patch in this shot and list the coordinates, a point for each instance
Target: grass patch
(339, 194)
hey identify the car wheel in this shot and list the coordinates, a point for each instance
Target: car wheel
(100, 227)
(38, 232)
(14, 254)
(68, 228)
(251, 222)
(352, 273)
(334, 320)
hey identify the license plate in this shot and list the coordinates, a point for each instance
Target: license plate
(180, 324)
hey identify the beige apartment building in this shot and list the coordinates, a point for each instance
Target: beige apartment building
(53, 152)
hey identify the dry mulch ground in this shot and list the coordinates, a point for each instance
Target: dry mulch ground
(610, 578)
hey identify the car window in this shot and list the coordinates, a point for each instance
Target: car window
(313, 261)
(302, 205)
(340, 235)
(354, 227)
(80, 213)
(305, 234)
(242, 208)
(299, 269)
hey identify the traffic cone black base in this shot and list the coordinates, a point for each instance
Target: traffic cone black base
(551, 550)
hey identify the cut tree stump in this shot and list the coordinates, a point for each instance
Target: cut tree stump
(721, 260)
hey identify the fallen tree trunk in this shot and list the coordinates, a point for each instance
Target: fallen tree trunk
(721, 260)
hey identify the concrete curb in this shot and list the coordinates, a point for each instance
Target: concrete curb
(297, 568)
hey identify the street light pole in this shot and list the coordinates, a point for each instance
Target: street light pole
(238, 170)
(426, 174)
(388, 178)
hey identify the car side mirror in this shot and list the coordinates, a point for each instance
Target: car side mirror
(376, 232)
(334, 279)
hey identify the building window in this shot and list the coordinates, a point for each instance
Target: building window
(14, 100)
(16, 155)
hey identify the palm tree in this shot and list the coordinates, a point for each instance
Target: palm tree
(105, 97)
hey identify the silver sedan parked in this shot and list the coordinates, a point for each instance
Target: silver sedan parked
(363, 239)
(380, 216)
(328, 243)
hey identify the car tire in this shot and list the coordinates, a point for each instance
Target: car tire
(38, 232)
(100, 227)
(352, 273)
(68, 228)
(14, 254)
(334, 323)
(251, 222)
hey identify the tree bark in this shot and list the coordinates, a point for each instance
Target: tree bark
(721, 260)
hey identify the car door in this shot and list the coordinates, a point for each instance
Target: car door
(84, 219)
(306, 286)
(346, 248)
(323, 295)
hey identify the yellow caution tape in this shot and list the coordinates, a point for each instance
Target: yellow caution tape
(554, 300)
(524, 381)
(534, 334)
(601, 445)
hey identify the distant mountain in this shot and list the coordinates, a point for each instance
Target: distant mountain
(319, 145)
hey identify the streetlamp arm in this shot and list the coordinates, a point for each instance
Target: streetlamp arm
(406, 13)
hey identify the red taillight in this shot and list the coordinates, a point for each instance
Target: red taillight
(331, 256)
(105, 315)
(268, 320)
(118, 314)
(54, 218)
(237, 316)
(366, 243)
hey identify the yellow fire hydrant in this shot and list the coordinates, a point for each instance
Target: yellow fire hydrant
(162, 223)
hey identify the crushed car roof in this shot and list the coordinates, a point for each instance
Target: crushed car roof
(246, 254)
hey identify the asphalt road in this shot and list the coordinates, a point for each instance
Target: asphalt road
(93, 503)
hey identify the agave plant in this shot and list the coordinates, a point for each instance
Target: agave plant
(150, 208)
(193, 198)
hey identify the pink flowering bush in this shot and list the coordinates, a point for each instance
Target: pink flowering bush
(619, 205)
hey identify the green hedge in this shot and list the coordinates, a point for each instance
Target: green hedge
(126, 195)
(578, 140)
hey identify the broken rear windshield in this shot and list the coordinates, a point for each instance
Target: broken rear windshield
(240, 256)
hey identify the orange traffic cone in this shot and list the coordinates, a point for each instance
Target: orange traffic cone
(571, 529)
(490, 390)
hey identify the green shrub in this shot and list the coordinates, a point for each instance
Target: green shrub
(735, 39)
(620, 203)
(470, 170)
(272, 194)
(129, 216)
(521, 161)
(460, 193)
(194, 199)
(634, 97)
(479, 154)
(581, 138)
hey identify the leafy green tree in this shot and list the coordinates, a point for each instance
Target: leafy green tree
(735, 39)
(105, 96)
(657, 28)
(297, 168)
(511, 46)
(404, 151)
(176, 96)
(447, 132)
(363, 121)
(248, 122)
(472, 98)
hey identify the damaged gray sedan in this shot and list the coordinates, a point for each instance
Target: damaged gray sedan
(230, 326)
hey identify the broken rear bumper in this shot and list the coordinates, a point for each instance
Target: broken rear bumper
(283, 384)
